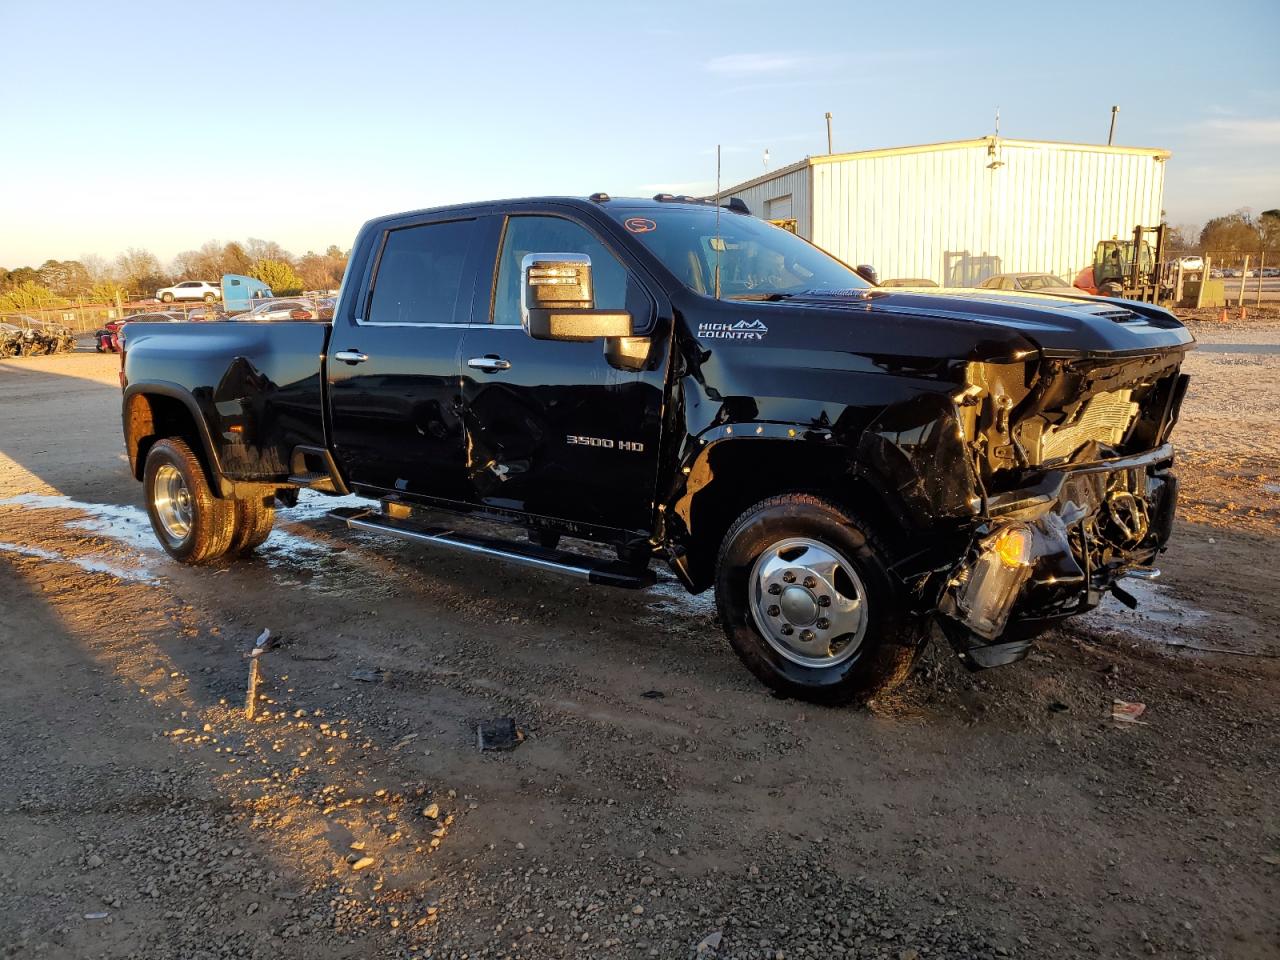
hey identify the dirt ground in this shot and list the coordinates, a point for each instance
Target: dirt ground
(661, 798)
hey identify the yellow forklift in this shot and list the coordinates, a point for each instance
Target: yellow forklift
(1130, 268)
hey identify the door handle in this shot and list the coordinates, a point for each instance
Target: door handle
(351, 356)
(489, 364)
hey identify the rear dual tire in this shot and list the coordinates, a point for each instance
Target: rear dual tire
(193, 525)
(254, 519)
(808, 604)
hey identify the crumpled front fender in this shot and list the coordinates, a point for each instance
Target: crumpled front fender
(917, 450)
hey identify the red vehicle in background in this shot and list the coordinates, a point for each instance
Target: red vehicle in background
(107, 338)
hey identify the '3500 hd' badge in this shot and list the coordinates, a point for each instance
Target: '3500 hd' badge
(741, 330)
(604, 443)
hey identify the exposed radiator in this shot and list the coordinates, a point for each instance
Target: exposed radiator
(1104, 418)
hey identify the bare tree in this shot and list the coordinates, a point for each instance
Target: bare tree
(140, 271)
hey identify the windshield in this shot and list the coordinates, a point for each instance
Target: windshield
(756, 260)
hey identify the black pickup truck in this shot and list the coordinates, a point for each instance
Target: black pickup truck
(845, 464)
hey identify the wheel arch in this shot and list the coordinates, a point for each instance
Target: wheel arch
(731, 473)
(156, 410)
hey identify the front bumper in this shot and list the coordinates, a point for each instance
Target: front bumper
(1083, 529)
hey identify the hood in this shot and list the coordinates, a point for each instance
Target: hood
(1056, 325)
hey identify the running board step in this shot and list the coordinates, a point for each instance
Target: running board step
(313, 481)
(315, 469)
(607, 573)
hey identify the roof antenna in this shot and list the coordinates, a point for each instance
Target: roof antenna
(993, 148)
(719, 242)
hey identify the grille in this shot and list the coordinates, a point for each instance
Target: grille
(1104, 418)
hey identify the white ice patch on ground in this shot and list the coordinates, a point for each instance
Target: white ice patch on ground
(131, 527)
(128, 525)
(669, 596)
(314, 506)
(1160, 617)
(91, 564)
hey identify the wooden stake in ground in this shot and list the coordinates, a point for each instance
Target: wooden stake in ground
(260, 646)
(251, 699)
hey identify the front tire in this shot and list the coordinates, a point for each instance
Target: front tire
(167, 298)
(191, 524)
(807, 602)
(209, 298)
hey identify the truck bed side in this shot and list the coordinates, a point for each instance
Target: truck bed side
(244, 394)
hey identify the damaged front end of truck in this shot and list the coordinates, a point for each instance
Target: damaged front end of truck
(1073, 482)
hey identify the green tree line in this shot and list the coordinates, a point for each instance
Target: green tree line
(1238, 232)
(139, 273)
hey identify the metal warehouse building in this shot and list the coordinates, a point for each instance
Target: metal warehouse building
(957, 212)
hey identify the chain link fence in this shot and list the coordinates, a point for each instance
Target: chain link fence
(86, 316)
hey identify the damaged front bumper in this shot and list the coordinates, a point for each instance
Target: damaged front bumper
(1054, 548)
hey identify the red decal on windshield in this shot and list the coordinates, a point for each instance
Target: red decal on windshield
(639, 225)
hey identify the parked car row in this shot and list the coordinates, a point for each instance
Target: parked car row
(107, 337)
(1227, 272)
(291, 308)
(1027, 282)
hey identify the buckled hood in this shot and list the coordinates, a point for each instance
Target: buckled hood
(1056, 325)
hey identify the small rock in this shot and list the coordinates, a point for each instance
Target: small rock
(363, 863)
(709, 944)
(432, 812)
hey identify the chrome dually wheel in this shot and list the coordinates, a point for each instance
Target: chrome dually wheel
(171, 500)
(808, 602)
(191, 523)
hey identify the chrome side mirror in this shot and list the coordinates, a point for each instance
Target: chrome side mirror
(557, 301)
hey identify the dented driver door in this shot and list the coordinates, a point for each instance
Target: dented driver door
(565, 430)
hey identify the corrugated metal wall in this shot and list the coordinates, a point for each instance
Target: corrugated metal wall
(790, 181)
(945, 214)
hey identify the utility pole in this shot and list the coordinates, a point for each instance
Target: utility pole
(829, 151)
(1111, 134)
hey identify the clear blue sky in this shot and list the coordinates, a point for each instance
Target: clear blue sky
(124, 121)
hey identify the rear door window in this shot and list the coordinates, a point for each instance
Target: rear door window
(420, 275)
